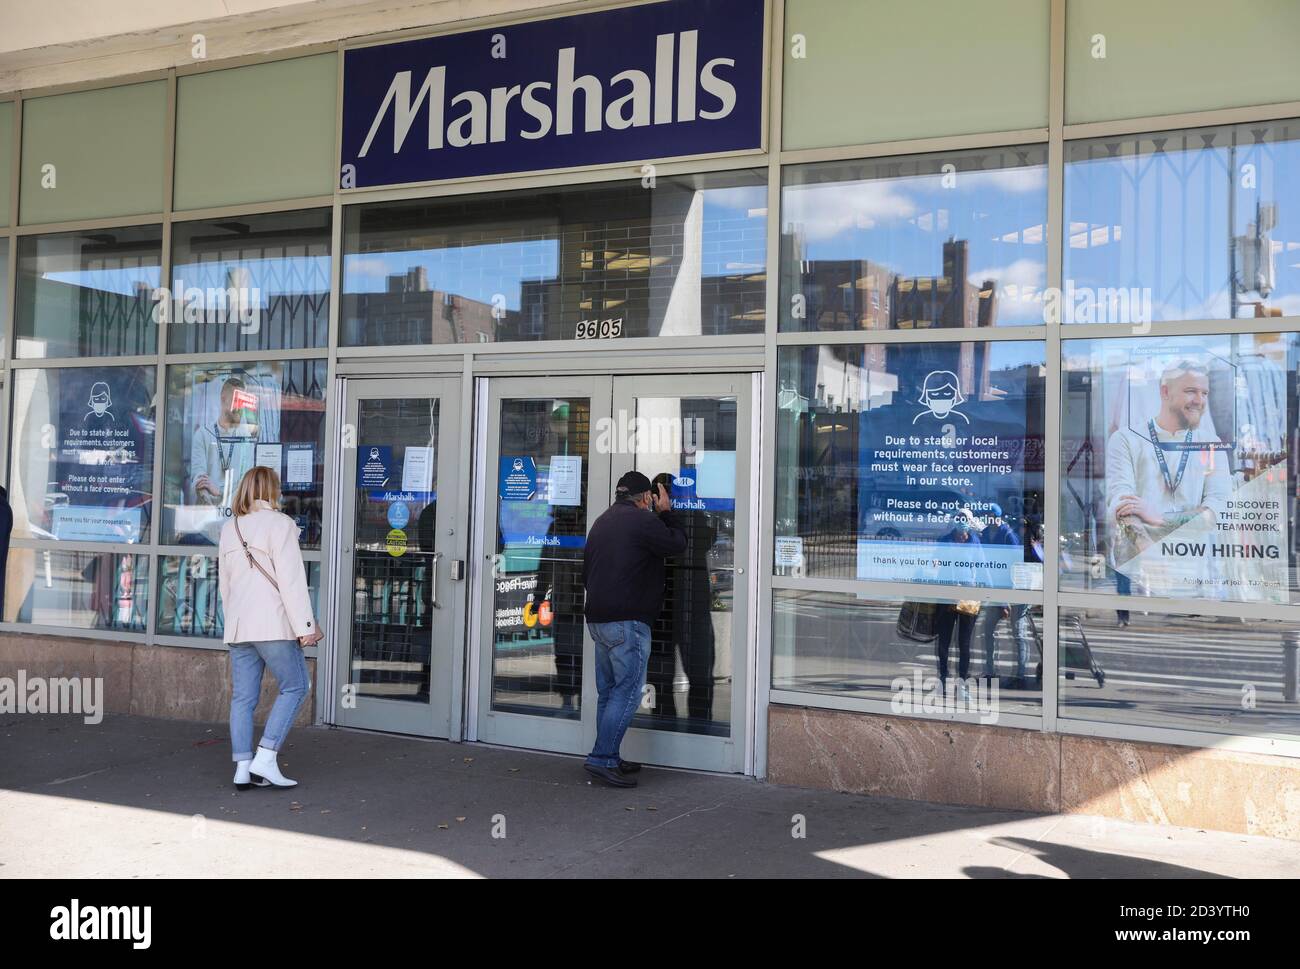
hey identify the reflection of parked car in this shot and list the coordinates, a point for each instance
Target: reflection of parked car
(722, 560)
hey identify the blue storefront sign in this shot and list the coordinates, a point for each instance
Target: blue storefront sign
(659, 80)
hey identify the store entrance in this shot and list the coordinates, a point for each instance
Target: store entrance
(552, 449)
(401, 608)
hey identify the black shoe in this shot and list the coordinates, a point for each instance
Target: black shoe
(610, 776)
(628, 766)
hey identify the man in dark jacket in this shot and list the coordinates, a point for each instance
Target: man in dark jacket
(623, 572)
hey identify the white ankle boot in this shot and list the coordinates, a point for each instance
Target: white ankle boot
(243, 779)
(265, 769)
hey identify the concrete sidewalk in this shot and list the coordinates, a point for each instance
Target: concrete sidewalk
(148, 798)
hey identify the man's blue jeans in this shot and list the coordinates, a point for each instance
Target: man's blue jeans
(622, 654)
(247, 661)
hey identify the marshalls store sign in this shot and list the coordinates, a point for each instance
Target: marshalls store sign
(660, 80)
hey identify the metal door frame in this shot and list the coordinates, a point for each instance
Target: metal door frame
(733, 754)
(486, 724)
(434, 719)
(701, 751)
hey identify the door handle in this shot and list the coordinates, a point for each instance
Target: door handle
(433, 580)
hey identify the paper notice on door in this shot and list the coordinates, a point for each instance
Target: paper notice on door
(268, 456)
(788, 551)
(417, 469)
(565, 480)
(299, 465)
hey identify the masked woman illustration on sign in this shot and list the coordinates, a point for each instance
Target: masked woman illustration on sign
(941, 394)
(99, 415)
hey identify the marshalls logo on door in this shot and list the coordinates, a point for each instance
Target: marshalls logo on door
(657, 80)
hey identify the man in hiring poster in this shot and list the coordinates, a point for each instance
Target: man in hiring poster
(222, 451)
(1167, 470)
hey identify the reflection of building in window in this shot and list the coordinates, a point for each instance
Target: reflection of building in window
(858, 294)
(410, 311)
(676, 261)
(659, 270)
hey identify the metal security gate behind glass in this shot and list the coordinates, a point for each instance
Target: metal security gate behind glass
(401, 604)
(554, 447)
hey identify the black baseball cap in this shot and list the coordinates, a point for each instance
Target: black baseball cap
(632, 484)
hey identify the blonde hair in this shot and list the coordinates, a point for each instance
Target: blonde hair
(260, 483)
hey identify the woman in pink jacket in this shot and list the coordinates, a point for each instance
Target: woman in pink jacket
(268, 621)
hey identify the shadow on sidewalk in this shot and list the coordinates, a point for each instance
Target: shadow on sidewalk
(154, 797)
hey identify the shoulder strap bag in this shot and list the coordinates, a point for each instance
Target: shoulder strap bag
(249, 555)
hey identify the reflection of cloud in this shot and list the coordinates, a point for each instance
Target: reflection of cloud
(1032, 179)
(853, 205)
(1019, 289)
(1025, 275)
(740, 198)
(367, 266)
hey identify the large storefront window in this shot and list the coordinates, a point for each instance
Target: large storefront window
(188, 600)
(89, 293)
(685, 257)
(81, 590)
(907, 652)
(255, 282)
(1214, 674)
(1178, 467)
(912, 463)
(923, 242)
(1183, 225)
(223, 419)
(82, 453)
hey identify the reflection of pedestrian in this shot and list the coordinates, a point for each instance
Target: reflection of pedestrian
(6, 527)
(998, 532)
(685, 625)
(948, 615)
(559, 577)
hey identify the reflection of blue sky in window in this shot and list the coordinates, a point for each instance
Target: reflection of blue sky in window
(480, 271)
(1161, 220)
(477, 272)
(273, 275)
(122, 281)
(903, 223)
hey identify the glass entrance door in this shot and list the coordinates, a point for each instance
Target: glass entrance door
(401, 606)
(693, 434)
(554, 449)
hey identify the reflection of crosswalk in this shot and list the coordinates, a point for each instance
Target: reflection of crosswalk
(1154, 652)
(1186, 652)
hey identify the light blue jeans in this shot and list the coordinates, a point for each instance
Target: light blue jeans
(622, 654)
(247, 661)
(1020, 635)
